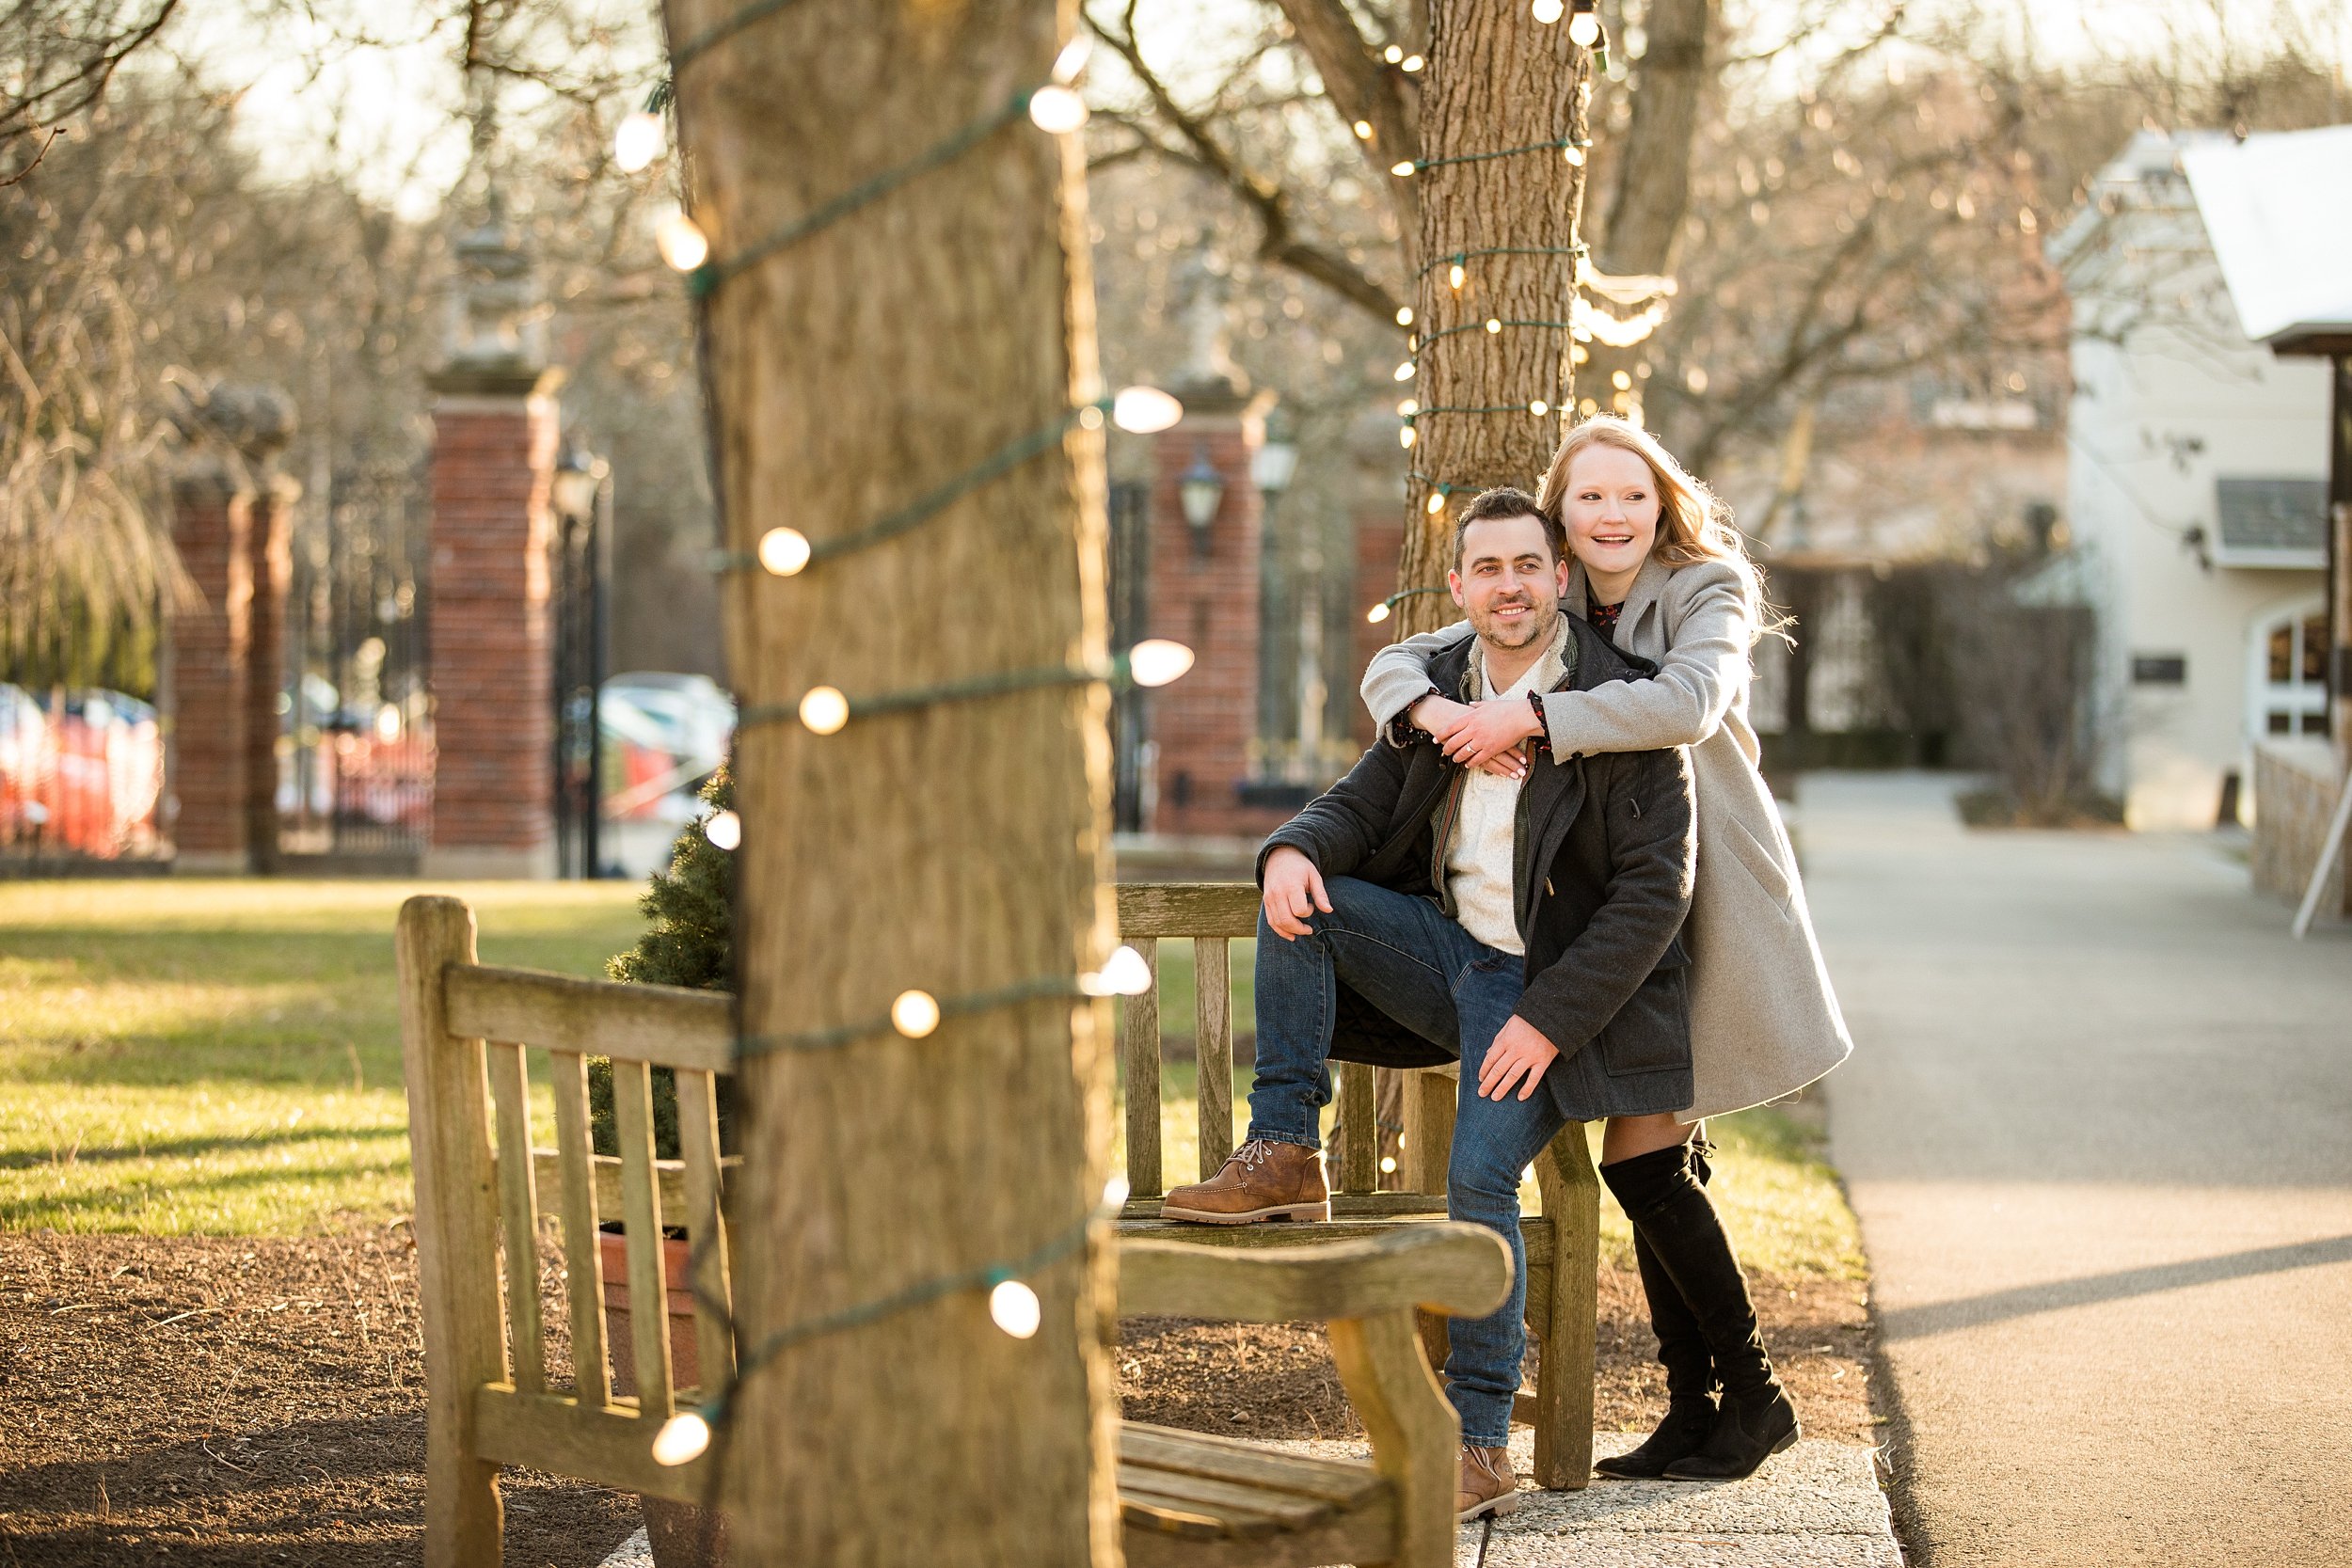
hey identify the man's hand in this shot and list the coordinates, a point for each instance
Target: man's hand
(1294, 891)
(1483, 736)
(1519, 1049)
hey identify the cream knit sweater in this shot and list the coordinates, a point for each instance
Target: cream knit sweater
(1478, 858)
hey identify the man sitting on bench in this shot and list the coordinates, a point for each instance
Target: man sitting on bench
(1530, 928)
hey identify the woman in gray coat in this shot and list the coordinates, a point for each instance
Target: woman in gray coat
(1662, 573)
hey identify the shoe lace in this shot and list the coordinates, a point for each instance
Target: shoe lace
(1257, 1152)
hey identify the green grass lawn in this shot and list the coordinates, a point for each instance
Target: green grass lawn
(223, 1057)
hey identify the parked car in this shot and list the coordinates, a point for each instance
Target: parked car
(82, 775)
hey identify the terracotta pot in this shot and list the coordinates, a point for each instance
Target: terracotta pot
(682, 1534)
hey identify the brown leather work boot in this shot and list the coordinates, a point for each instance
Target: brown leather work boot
(1489, 1485)
(1261, 1180)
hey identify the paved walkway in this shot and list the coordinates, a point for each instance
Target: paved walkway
(1816, 1506)
(2098, 1127)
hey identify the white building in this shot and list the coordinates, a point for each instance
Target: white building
(2195, 490)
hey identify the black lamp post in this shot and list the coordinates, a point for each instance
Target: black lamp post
(581, 493)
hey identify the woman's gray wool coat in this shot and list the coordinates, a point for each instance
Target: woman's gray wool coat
(1764, 1021)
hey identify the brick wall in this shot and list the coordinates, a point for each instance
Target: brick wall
(1207, 599)
(493, 456)
(210, 644)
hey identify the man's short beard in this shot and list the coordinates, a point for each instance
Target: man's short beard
(1541, 620)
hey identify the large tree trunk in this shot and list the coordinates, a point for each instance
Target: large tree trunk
(1499, 80)
(958, 847)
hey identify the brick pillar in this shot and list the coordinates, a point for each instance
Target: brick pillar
(210, 641)
(1205, 594)
(269, 552)
(494, 444)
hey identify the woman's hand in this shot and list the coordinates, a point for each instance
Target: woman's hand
(1489, 735)
(1485, 736)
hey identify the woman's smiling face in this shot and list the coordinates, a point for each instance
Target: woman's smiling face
(1610, 513)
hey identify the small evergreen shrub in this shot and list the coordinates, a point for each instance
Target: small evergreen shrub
(689, 940)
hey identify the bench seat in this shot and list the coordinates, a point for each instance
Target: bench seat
(1181, 1494)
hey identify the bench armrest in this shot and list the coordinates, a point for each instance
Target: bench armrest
(1460, 1270)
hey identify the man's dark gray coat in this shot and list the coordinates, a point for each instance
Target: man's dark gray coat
(1602, 878)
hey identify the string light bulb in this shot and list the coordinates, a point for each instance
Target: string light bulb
(1435, 502)
(1156, 662)
(784, 551)
(1377, 613)
(1584, 29)
(1403, 171)
(1493, 325)
(639, 141)
(1405, 315)
(1363, 129)
(1125, 973)
(1539, 408)
(724, 829)
(1410, 64)
(1393, 54)
(1015, 1309)
(1405, 370)
(1550, 12)
(1575, 155)
(1144, 410)
(824, 710)
(682, 240)
(683, 1439)
(1406, 409)
(1114, 1191)
(1405, 437)
(1388, 1162)
(915, 1014)
(1456, 275)
(1056, 109)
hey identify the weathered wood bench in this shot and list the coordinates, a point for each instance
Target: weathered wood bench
(1562, 1237)
(1185, 1498)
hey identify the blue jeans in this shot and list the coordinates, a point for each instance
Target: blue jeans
(1407, 957)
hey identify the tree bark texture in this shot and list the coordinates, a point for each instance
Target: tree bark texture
(1496, 80)
(960, 847)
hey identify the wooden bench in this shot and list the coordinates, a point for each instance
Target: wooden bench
(1561, 1239)
(469, 1031)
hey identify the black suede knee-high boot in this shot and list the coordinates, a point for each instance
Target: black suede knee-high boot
(1681, 1347)
(1668, 1206)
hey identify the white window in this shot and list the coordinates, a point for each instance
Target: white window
(2287, 687)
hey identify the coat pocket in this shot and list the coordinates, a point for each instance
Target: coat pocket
(1759, 862)
(1652, 1033)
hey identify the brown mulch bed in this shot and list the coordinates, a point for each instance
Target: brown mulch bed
(194, 1400)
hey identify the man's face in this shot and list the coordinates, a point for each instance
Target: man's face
(1509, 582)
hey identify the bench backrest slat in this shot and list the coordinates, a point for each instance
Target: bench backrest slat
(1141, 1059)
(583, 1260)
(518, 1216)
(1213, 1041)
(698, 1146)
(641, 1216)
